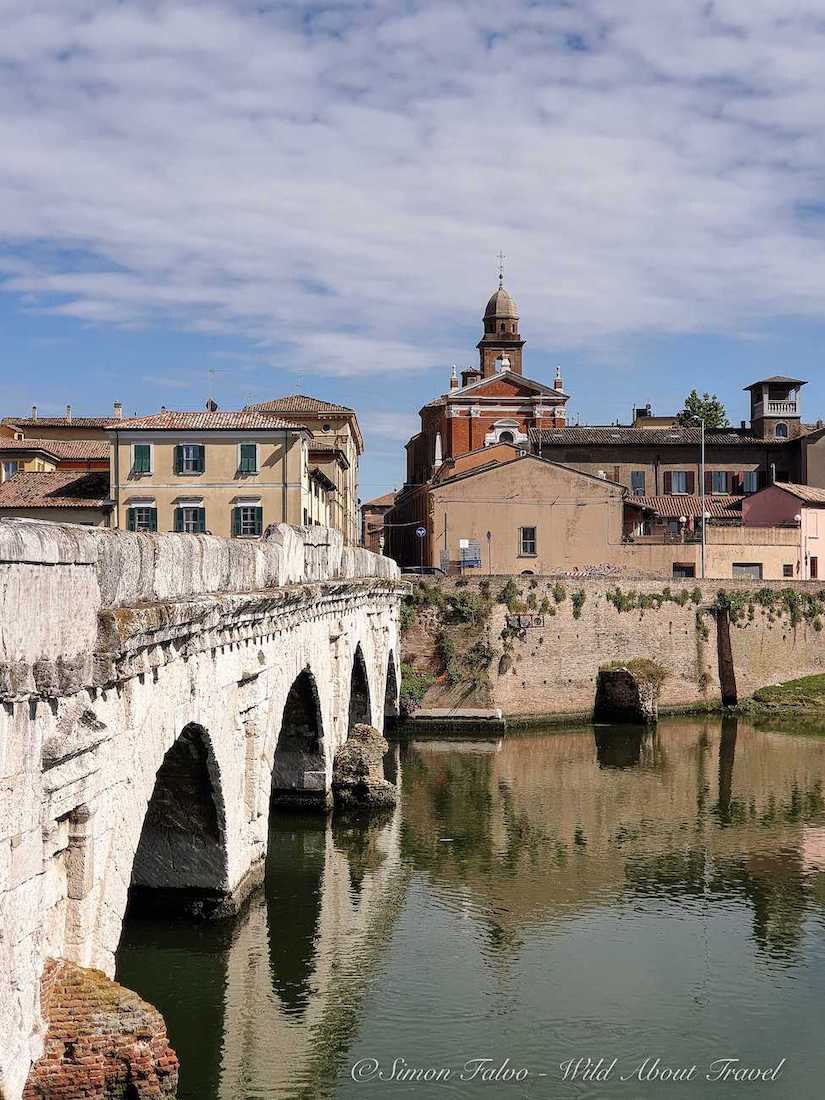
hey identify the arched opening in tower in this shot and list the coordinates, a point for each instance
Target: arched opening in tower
(299, 769)
(360, 708)
(180, 862)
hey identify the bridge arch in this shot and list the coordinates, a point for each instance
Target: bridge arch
(299, 765)
(360, 702)
(181, 854)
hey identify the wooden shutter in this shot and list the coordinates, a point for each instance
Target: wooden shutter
(201, 458)
(178, 459)
(708, 482)
(179, 519)
(667, 482)
(259, 520)
(691, 482)
(248, 458)
(201, 524)
(130, 519)
(153, 519)
(236, 521)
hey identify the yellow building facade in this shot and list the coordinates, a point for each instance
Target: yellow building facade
(227, 473)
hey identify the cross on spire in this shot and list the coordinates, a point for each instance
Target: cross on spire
(501, 259)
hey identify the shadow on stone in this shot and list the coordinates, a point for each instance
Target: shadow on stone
(358, 781)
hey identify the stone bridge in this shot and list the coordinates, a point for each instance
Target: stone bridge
(156, 693)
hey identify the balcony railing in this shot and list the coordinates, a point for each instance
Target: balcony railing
(775, 408)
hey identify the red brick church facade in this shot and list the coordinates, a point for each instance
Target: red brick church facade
(492, 403)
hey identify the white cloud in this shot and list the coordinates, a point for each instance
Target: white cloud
(335, 183)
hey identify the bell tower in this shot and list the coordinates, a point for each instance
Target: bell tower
(502, 340)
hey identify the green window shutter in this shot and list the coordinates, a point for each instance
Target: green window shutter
(200, 462)
(153, 519)
(259, 520)
(201, 525)
(141, 463)
(249, 458)
(178, 459)
(130, 520)
(236, 521)
(178, 519)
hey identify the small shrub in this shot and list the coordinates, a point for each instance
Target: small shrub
(643, 667)
(510, 595)
(577, 599)
(559, 592)
(414, 686)
(544, 606)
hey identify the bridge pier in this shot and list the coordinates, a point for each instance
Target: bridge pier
(146, 685)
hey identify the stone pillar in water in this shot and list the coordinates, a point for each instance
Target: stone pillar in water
(358, 780)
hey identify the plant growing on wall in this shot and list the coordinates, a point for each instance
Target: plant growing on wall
(414, 686)
(577, 599)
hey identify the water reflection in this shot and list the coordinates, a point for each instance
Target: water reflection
(604, 890)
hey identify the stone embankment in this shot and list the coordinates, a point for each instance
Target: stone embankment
(534, 646)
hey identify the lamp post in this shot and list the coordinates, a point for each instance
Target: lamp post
(702, 487)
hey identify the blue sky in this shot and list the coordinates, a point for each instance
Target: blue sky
(312, 197)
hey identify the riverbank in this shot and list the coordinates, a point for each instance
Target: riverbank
(531, 647)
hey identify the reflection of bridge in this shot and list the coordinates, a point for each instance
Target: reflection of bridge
(156, 691)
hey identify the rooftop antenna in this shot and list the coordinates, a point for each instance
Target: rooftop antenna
(501, 259)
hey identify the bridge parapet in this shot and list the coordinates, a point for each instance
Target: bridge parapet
(57, 579)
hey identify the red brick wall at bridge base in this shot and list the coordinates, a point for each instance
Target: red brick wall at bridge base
(103, 1041)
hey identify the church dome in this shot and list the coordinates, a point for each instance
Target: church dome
(501, 305)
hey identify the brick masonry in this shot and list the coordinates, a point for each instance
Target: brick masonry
(550, 666)
(102, 1041)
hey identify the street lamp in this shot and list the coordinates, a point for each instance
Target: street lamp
(701, 420)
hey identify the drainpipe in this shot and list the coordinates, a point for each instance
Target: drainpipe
(283, 486)
(116, 493)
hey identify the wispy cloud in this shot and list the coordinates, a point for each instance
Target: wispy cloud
(334, 183)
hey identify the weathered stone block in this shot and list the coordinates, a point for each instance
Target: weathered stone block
(358, 780)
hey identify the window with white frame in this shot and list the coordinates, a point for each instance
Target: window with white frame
(190, 458)
(247, 519)
(190, 517)
(9, 469)
(718, 481)
(527, 542)
(142, 515)
(679, 482)
(750, 481)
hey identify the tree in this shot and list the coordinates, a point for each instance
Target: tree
(708, 407)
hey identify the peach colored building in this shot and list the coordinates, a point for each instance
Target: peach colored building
(796, 508)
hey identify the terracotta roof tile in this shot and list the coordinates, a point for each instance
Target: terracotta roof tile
(57, 421)
(60, 448)
(386, 501)
(298, 402)
(203, 421)
(811, 494)
(609, 436)
(680, 504)
(55, 489)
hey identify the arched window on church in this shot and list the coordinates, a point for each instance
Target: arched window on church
(506, 437)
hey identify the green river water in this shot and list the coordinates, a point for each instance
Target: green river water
(534, 902)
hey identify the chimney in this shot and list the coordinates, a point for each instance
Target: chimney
(557, 382)
(34, 412)
(743, 424)
(68, 412)
(453, 379)
(118, 410)
(772, 473)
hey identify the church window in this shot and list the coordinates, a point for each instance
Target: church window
(781, 431)
(506, 437)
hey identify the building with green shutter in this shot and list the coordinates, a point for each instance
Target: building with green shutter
(226, 473)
